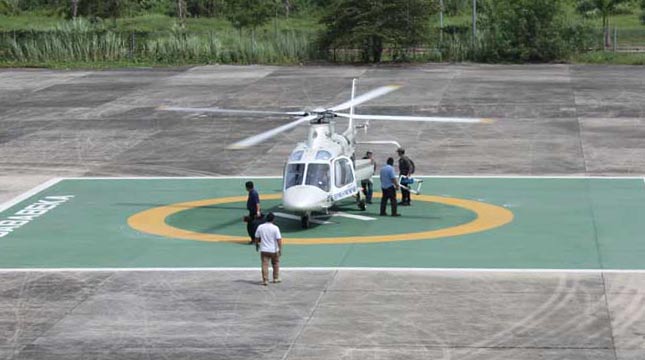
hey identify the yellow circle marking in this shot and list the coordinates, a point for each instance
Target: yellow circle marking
(489, 216)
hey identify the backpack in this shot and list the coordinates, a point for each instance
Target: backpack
(412, 167)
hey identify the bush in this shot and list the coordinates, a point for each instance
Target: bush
(529, 31)
(9, 7)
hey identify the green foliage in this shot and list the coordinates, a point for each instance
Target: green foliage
(9, 7)
(604, 8)
(371, 24)
(249, 13)
(146, 32)
(456, 7)
(81, 41)
(528, 30)
(608, 57)
(132, 8)
(27, 22)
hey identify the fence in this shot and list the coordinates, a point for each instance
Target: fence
(628, 39)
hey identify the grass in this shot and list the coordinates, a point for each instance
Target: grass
(25, 22)
(89, 65)
(83, 42)
(608, 57)
(155, 23)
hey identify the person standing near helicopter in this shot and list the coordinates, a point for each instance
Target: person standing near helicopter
(253, 206)
(389, 186)
(406, 169)
(367, 184)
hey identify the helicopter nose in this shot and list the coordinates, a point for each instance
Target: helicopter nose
(304, 198)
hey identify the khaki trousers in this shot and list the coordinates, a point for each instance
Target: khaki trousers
(275, 262)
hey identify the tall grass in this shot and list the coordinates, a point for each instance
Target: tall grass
(286, 47)
(76, 40)
(81, 41)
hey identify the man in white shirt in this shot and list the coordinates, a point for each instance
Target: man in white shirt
(270, 239)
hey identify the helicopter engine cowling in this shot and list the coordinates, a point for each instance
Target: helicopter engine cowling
(305, 198)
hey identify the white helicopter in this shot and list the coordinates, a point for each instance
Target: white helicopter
(323, 170)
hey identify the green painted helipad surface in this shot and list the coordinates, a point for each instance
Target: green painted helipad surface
(551, 223)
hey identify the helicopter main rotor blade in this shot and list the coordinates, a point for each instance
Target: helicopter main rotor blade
(256, 139)
(417, 118)
(231, 111)
(365, 97)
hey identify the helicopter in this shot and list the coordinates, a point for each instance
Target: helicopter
(323, 171)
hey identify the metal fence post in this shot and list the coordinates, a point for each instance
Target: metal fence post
(474, 21)
(132, 45)
(441, 20)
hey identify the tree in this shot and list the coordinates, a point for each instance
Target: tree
(249, 13)
(203, 8)
(181, 11)
(74, 8)
(605, 8)
(527, 30)
(455, 7)
(371, 24)
(9, 7)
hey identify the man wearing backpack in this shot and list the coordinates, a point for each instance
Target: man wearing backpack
(406, 169)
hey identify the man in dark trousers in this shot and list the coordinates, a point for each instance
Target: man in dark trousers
(253, 206)
(406, 169)
(367, 184)
(389, 186)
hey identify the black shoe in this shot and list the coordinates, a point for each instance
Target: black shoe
(369, 202)
(383, 214)
(396, 214)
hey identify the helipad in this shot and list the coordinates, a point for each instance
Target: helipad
(460, 222)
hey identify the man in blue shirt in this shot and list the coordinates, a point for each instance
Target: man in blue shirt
(253, 206)
(389, 186)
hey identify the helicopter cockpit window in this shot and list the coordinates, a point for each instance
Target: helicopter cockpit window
(323, 155)
(294, 174)
(318, 175)
(343, 173)
(296, 155)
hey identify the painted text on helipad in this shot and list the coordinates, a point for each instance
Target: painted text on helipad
(31, 212)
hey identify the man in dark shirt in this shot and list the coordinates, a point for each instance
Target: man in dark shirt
(406, 169)
(367, 184)
(253, 206)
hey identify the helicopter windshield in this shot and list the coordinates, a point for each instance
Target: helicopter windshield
(318, 175)
(294, 173)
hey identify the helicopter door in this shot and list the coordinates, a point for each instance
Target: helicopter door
(344, 183)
